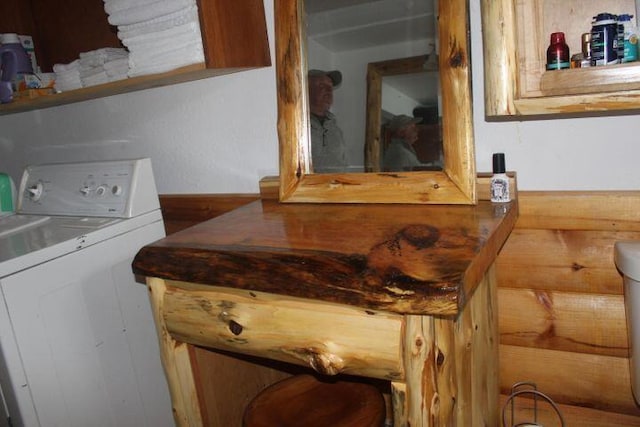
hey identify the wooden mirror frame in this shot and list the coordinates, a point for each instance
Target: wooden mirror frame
(455, 184)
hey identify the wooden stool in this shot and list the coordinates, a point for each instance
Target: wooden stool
(305, 401)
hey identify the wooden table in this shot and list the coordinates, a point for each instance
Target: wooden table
(404, 294)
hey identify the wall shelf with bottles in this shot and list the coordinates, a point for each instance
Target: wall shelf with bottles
(234, 36)
(516, 35)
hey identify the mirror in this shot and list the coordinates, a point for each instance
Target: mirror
(396, 90)
(454, 183)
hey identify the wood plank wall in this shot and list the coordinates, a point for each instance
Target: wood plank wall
(561, 303)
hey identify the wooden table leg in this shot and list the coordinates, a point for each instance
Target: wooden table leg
(451, 366)
(176, 361)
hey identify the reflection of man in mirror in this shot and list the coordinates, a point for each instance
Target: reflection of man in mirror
(401, 154)
(327, 142)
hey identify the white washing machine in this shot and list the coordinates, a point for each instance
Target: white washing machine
(78, 344)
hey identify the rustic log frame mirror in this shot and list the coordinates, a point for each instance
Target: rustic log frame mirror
(455, 184)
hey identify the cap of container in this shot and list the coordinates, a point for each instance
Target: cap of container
(499, 163)
(8, 38)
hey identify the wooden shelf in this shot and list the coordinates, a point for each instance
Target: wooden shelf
(516, 36)
(591, 80)
(234, 36)
(180, 75)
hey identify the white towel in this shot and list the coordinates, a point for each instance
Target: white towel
(61, 68)
(113, 6)
(90, 71)
(162, 23)
(166, 61)
(162, 67)
(117, 67)
(191, 50)
(95, 79)
(68, 80)
(148, 11)
(175, 36)
(98, 57)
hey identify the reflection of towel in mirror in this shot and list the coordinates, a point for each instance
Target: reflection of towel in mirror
(162, 23)
(148, 11)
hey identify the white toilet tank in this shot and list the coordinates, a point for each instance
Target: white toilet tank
(627, 259)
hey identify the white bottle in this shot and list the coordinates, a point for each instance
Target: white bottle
(499, 181)
(630, 38)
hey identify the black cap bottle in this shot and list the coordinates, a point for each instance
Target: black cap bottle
(499, 181)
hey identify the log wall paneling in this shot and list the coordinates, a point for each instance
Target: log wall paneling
(561, 305)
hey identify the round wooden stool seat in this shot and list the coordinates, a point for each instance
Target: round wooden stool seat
(305, 401)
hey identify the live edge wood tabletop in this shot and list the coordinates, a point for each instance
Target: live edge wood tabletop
(403, 294)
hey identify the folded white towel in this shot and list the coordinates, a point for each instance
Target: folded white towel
(165, 61)
(90, 71)
(162, 67)
(121, 76)
(116, 65)
(112, 6)
(60, 68)
(148, 11)
(68, 81)
(157, 53)
(172, 37)
(181, 17)
(98, 57)
(95, 79)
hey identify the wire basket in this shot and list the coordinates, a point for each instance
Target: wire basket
(522, 389)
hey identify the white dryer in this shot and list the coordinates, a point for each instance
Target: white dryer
(78, 345)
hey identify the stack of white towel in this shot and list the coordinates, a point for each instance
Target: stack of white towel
(67, 76)
(92, 68)
(161, 35)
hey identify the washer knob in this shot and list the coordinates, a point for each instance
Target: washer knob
(35, 191)
(85, 190)
(101, 191)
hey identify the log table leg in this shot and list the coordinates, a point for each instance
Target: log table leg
(176, 361)
(451, 366)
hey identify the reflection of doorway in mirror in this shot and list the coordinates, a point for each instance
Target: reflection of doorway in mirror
(347, 35)
(416, 95)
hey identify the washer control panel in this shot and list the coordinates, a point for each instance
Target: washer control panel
(121, 188)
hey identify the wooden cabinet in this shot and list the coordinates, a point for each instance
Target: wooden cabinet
(403, 295)
(234, 38)
(516, 35)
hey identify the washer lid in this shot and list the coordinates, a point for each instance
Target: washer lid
(13, 223)
(627, 258)
(32, 239)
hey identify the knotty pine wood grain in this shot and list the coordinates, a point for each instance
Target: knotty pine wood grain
(400, 258)
(561, 303)
(573, 415)
(454, 185)
(564, 321)
(563, 260)
(589, 380)
(332, 338)
(540, 286)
